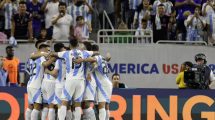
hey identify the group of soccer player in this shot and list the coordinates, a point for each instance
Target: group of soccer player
(68, 83)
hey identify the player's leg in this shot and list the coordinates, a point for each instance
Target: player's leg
(107, 111)
(102, 111)
(28, 112)
(45, 109)
(37, 100)
(67, 93)
(30, 106)
(69, 114)
(108, 90)
(50, 88)
(78, 96)
(51, 113)
(89, 98)
(104, 95)
(44, 112)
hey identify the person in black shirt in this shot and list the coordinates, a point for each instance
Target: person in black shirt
(22, 23)
(160, 23)
(116, 81)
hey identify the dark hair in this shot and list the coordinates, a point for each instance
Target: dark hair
(200, 56)
(188, 63)
(161, 5)
(58, 46)
(115, 74)
(143, 20)
(38, 42)
(62, 4)
(73, 42)
(43, 46)
(87, 45)
(79, 18)
(95, 47)
(9, 47)
(22, 2)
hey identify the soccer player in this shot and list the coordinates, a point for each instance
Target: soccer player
(104, 85)
(48, 87)
(90, 87)
(74, 85)
(59, 73)
(34, 84)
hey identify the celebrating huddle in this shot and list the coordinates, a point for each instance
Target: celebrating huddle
(70, 79)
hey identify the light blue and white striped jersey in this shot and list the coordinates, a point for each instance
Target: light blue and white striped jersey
(100, 74)
(60, 65)
(75, 11)
(3, 77)
(37, 72)
(48, 76)
(73, 70)
(9, 10)
(87, 65)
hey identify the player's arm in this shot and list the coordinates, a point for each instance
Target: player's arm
(38, 55)
(89, 59)
(48, 62)
(53, 73)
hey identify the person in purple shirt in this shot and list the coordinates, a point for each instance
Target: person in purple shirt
(182, 6)
(34, 7)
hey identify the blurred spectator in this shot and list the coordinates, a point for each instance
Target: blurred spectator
(50, 8)
(108, 6)
(128, 11)
(172, 27)
(143, 31)
(43, 35)
(195, 25)
(79, 8)
(181, 6)
(211, 28)
(116, 81)
(11, 65)
(10, 8)
(34, 8)
(167, 6)
(3, 73)
(82, 29)
(127, 39)
(22, 24)
(160, 24)
(62, 23)
(180, 77)
(207, 12)
(143, 12)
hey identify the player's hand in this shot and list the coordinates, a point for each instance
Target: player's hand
(78, 60)
(46, 71)
(108, 56)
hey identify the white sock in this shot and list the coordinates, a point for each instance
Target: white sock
(69, 115)
(51, 114)
(62, 113)
(89, 114)
(44, 113)
(28, 114)
(77, 113)
(102, 114)
(35, 114)
(107, 114)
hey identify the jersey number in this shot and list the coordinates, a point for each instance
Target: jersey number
(75, 65)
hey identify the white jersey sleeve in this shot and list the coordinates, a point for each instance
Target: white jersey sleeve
(37, 73)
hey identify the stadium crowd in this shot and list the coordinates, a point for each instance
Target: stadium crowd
(191, 20)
